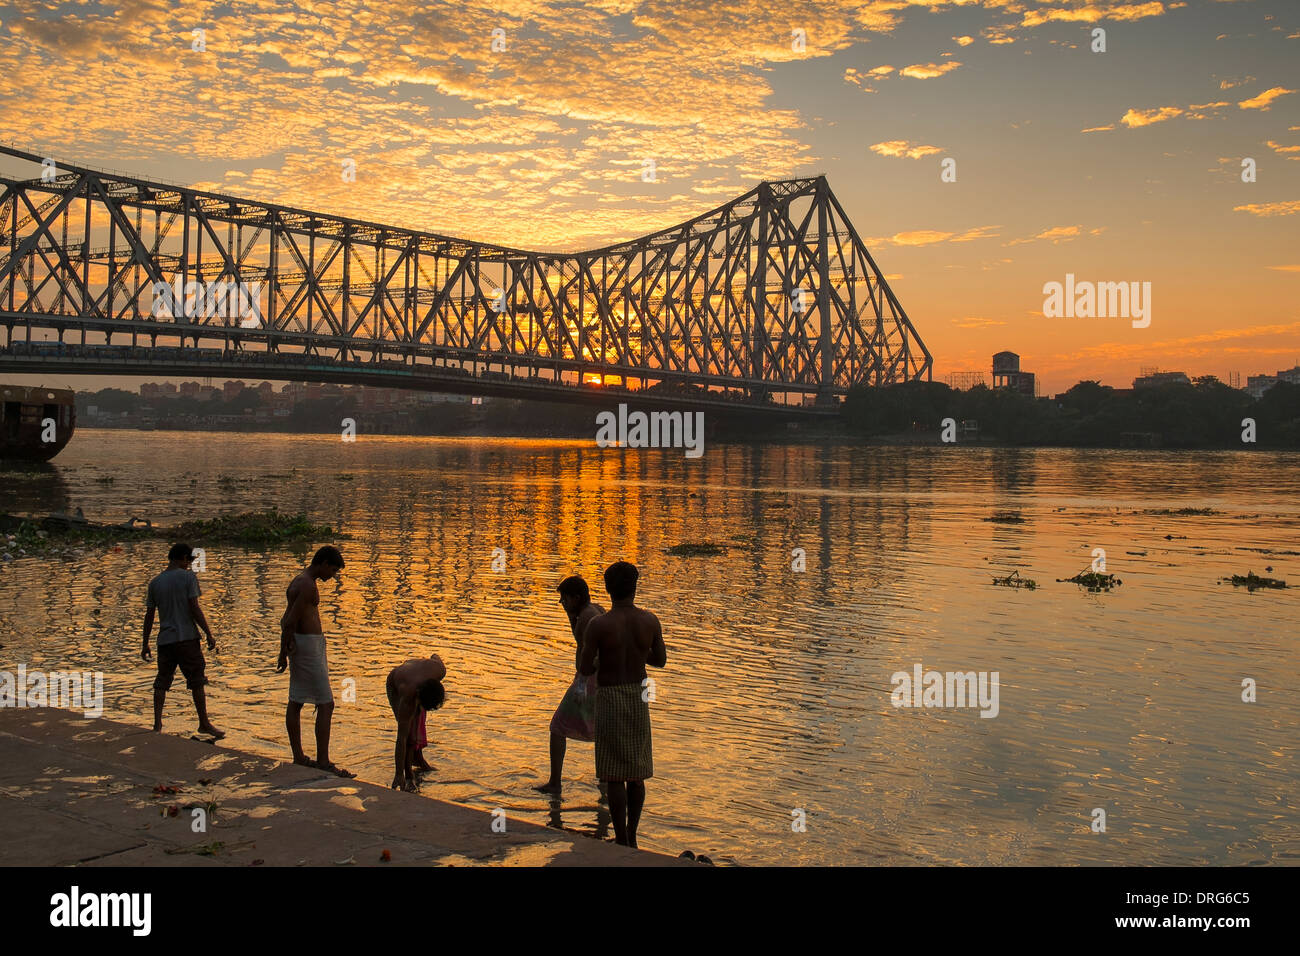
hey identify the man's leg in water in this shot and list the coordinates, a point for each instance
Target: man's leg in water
(635, 801)
(324, 714)
(293, 724)
(558, 747)
(618, 810)
(421, 765)
(201, 705)
(421, 726)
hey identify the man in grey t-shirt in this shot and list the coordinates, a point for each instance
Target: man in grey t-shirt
(174, 595)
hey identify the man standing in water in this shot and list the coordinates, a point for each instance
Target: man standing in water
(625, 640)
(575, 718)
(175, 593)
(414, 689)
(302, 649)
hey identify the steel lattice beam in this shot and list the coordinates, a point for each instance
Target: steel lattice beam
(773, 292)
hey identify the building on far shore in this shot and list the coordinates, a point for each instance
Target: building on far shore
(1257, 385)
(292, 394)
(165, 390)
(1007, 374)
(1152, 377)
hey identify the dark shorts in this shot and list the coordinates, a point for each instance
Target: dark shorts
(187, 655)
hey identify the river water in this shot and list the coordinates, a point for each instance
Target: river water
(775, 706)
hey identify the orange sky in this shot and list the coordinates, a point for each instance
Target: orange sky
(1123, 165)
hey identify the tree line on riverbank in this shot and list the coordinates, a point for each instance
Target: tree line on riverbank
(1202, 414)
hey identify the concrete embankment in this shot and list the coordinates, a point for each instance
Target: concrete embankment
(76, 791)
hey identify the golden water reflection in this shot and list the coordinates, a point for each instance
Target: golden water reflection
(776, 697)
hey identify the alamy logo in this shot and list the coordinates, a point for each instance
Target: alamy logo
(656, 430)
(946, 689)
(74, 908)
(209, 300)
(71, 690)
(1100, 300)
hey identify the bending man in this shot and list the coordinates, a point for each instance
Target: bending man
(414, 689)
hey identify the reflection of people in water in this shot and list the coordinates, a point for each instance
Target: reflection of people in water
(302, 650)
(414, 689)
(575, 718)
(616, 648)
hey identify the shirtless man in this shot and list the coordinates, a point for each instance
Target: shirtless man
(624, 640)
(302, 649)
(576, 715)
(414, 688)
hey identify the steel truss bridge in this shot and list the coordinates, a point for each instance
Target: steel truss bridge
(769, 301)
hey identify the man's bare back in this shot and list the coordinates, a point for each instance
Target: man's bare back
(407, 678)
(302, 615)
(624, 640)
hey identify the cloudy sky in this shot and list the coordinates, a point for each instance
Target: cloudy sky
(1122, 165)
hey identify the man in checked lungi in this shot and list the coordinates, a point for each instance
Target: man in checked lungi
(616, 647)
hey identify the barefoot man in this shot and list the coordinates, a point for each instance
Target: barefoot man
(625, 640)
(414, 689)
(302, 649)
(575, 718)
(174, 594)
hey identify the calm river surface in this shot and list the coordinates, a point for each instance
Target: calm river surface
(776, 697)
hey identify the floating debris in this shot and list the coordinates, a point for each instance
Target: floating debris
(1252, 581)
(65, 536)
(250, 528)
(1092, 580)
(702, 549)
(1014, 580)
(1007, 517)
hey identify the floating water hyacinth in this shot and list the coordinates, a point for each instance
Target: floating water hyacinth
(1252, 581)
(1093, 580)
(1014, 580)
(701, 549)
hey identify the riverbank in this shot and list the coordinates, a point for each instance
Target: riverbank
(83, 792)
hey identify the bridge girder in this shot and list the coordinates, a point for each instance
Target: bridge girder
(771, 292)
